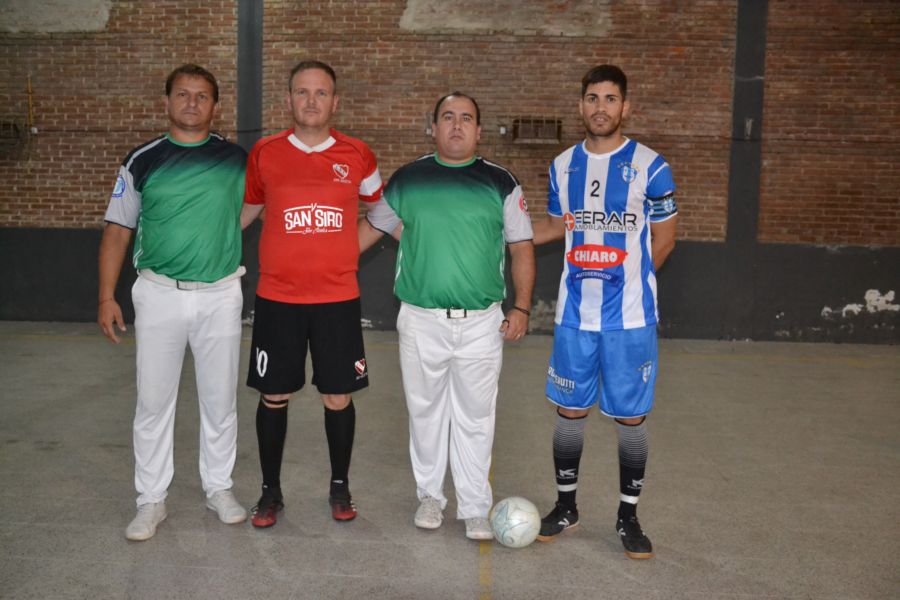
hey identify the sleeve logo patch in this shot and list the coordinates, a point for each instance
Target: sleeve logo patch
(119, 190)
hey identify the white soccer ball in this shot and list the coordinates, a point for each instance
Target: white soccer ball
(515, 521)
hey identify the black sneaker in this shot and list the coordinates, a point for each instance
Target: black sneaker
(560, 518)
(266, 511)
(637, 545)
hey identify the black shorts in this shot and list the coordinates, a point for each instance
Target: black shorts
(281, 334)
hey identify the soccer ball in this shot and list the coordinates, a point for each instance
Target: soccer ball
(515, 521)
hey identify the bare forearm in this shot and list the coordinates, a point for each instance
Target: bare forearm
(661, 253)
(662, 240)
(249, 213)
(548, 229)
(368, 235)
(523, 272)
(113, 247)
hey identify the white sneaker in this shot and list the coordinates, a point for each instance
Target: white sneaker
(429, 515)
(226, 507)
(143, 526)
(478, 528)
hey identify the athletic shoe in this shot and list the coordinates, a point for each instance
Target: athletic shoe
(270, 505)
(143, 526)
(226, 507)
(478, 528)
(342, 507)
(430, 515)
(637, 545)
(560, 519)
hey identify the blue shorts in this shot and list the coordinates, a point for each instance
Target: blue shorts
(618, 368)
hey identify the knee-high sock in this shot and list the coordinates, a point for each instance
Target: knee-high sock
(340, 426)
(271, 429)
(568, 442)
(633, 448)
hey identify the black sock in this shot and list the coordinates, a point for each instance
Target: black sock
(633, 448)
(271, 429)
(340, 426)
(568, 442)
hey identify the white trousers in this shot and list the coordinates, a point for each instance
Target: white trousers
(166, 321)
(451, 369)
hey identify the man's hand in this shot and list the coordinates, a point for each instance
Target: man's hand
(112, 253)
(109, 316)
(514, 326)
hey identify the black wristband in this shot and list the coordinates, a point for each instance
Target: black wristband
(522, 310)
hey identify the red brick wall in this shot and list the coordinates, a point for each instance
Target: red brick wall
(96, 96)
(829, 126)
(832, 113)
(390, 78)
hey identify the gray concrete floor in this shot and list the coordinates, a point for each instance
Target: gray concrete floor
(774, 473)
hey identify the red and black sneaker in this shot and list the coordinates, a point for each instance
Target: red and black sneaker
(342, 507)
(266, 511)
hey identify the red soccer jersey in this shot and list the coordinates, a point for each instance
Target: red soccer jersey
(309, 250)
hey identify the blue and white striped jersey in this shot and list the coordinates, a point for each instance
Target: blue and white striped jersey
(607, 202)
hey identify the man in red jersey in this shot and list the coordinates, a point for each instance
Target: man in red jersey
(309, 180)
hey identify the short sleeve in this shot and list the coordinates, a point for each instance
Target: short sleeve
(125, 202)
(371, 186)
(254, 193)
(553, 207)
(516, 222)
(660, 191)
(382, 216)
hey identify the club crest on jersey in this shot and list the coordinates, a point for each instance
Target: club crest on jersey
(119, 190)
(313, 218)
(342, 171)
(595, 256)
(629, 171)
(360, 367)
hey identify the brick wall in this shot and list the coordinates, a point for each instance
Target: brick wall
(832, 112)
(830, 119)
(391, 77)
(97, 95)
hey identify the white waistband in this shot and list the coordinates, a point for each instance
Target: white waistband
(188, 285)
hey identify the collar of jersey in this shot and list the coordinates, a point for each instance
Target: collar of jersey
(607, 154)
(456, 165)
(187, 144)
(293, 139)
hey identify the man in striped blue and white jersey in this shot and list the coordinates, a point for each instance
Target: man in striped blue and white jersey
(613, 200)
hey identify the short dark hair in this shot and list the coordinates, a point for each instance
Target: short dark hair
(192, 70)
(437, 106)
(305, 65)
(602, 73)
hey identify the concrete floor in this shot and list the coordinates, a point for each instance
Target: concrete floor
(774, 473)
